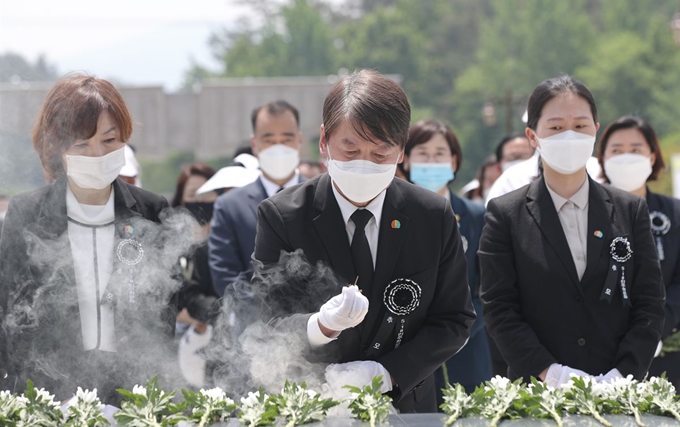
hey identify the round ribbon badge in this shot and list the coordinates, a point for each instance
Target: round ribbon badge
(660, 226)
(660, 223)
(620, 249)
(130, 252)
(402, 296)
(621, 252)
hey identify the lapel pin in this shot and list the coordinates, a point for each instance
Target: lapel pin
(395, 224)
(598, 234)
(129, 229)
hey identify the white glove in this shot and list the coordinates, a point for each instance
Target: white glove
(358, 374)
(191, 363)
(609, 376)
(560, 374)
(345, 310)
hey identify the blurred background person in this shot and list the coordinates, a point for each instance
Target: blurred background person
(131, 172)
(487, 174)
(196, 269)
(513, 149)
(276, 142)
(432, 156)
(570, 279)
(630, 156)
(78, 307)
(310, 168)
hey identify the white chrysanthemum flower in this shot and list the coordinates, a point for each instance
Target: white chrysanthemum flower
(214, 393)
(138, 389)
(312, 394)
(252, 399)
(87, 396)
(500, 382)
(46, 397)
(5, 395)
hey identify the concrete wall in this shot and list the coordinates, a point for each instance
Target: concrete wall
(212, 121)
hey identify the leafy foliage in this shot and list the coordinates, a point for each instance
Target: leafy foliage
(300, 406)
(208, 406)
(369, 404)
(148, 406)
(258, 409)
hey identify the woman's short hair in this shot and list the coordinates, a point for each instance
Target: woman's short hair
(198, 169)
(641, 125)
(425, 130)
(70, 112)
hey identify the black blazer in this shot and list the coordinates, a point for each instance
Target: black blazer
(426, 248)
(537, 310)
(670, 265)
(41, 338)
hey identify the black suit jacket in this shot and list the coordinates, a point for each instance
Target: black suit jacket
(537, 310)
(670, 265)
(41, 338)
(426, 248)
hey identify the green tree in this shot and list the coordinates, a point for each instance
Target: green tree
(15, 67)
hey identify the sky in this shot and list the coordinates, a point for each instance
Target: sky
(136, 42)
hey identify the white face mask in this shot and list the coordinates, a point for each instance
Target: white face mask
(566, 152)
(628, 171)
(95, 173)
(361, 180)
(279, 161)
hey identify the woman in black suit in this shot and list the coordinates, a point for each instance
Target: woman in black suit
(432, 156)
(86, 271)
(570, 279)
(630, 156)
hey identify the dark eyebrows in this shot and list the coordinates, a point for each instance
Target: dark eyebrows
(555, 119)
(348, 141)
(110, 130)
(268, 134)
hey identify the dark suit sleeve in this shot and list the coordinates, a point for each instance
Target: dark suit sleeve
(672, 309)
(225, 261)
(450, 316)
(647, 298)
(499, 292)
(13, 271)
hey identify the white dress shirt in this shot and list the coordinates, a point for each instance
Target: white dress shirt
(573, 214)
(91, 235)
(272, 188)
(372, 228)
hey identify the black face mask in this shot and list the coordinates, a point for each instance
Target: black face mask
(203, 211)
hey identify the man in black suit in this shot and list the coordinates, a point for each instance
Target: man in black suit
(276, 141)
(397, 242)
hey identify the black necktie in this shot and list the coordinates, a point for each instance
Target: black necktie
(279, 190)
(361, 251)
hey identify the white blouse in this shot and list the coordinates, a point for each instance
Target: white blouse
(91, 234)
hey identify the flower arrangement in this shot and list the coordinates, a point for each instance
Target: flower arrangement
(497, 399)
(369, 404)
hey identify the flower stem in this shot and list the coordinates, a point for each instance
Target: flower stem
(371, 418)
(674, 413)
(638, 420)
(452, 419)
(599, 418)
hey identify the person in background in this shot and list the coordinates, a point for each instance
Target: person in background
(276, 142)
(513, 149)
(630, 156)
(409, 309)
(198, 290)
(78, 308)
(310, 168)
(487, 174)
(570, 279)
(131, 171)
(432, 156)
